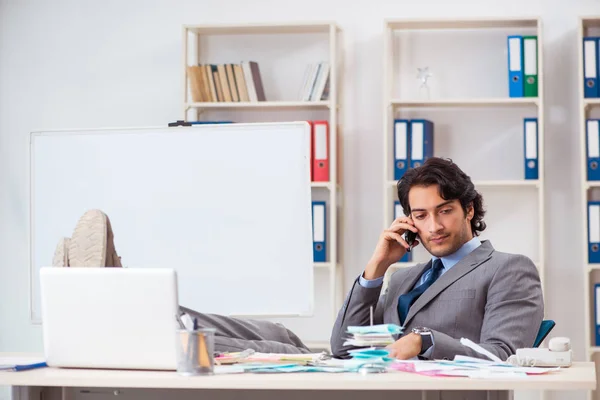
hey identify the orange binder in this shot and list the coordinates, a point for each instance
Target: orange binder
(320, 147)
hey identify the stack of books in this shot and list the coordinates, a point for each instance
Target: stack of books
(226, 82)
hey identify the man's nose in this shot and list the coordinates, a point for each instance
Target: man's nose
(434, 224)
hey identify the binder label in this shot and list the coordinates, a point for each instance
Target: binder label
(594, 223)
(593, 139)
(320, 142)
(597, 308)
(530, 46)
(417, 141)
(530, 140)
(319, 223)
(401, 150)
(589, 67)
(514, 49)
(398, 211)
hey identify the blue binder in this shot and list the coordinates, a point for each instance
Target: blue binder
(530, 137)
(516, 87)
(421, 141)
(397, 213)
(319, 231)
(593, 232)
(401, 146)
(596, 315)
(590, 67)
(592, 146)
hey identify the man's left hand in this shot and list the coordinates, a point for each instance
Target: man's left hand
(406, 347)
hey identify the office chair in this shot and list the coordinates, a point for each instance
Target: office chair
(545, 329)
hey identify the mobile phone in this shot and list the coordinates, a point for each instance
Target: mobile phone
(410, 238)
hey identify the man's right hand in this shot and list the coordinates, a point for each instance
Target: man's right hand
(390, 248)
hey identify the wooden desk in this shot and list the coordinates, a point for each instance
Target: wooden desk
(581, 376)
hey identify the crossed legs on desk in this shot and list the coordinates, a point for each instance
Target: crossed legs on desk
(234, 334)
(92, 245)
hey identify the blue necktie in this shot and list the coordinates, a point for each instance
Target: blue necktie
(406, 300)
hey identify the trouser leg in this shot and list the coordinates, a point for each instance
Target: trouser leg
(235, 334)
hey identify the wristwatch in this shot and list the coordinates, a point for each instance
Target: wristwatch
(426, 338)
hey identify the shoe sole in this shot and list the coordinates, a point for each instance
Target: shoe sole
(61, 254)
(87, 247)
(112, 258)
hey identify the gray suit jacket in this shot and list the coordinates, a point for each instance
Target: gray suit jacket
(493, 298)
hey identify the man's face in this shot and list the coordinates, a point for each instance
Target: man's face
(442, 224)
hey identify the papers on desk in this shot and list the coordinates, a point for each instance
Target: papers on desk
(287, 368)
(468, 367)
(253, 362)
(377, 359)
(21, 363)
(250, 356)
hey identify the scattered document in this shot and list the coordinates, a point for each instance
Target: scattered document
(469, 367)
(474, 346)
(483, 370)
(381, 328)
(372, 335)
(249, 356)
(288, 368)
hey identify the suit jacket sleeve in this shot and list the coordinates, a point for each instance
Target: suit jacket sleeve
(356, 312)
(513, 314)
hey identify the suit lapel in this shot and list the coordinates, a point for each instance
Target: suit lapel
(461, 268)
(412, 276)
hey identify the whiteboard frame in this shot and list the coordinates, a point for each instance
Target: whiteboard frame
(36, 320)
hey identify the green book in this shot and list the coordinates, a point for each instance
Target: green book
(530, 61)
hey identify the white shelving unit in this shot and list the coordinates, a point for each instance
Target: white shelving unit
(272, 46)
(588, 108)
(394, 104)
(263, 105)
(479, 102)
(409, 41)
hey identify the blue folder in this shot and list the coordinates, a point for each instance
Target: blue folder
(590, 67)
(421, 141)
(516, 87)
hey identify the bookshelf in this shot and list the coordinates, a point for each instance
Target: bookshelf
(283, 53)
(478, 102)
(590, 191)
(468, 89)
(263, 105)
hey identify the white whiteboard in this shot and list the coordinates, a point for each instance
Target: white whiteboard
(228, 206)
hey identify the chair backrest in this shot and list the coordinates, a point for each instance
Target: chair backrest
(545, 329)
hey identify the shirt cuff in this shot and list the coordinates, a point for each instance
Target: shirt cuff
(370, 283)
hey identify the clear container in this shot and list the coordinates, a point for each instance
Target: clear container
(195, 351)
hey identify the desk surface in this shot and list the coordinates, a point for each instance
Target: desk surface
(581, 376)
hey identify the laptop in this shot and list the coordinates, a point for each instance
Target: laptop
(123, 318)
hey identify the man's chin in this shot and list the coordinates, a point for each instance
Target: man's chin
(439, 251)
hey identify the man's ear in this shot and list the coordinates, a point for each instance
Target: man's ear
(470, 211)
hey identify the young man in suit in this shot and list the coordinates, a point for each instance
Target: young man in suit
(467, 289)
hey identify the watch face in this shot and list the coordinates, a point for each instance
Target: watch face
(421, 330)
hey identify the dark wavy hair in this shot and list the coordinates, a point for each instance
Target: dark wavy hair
(452, 182)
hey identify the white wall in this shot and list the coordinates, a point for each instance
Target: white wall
(70, 64)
